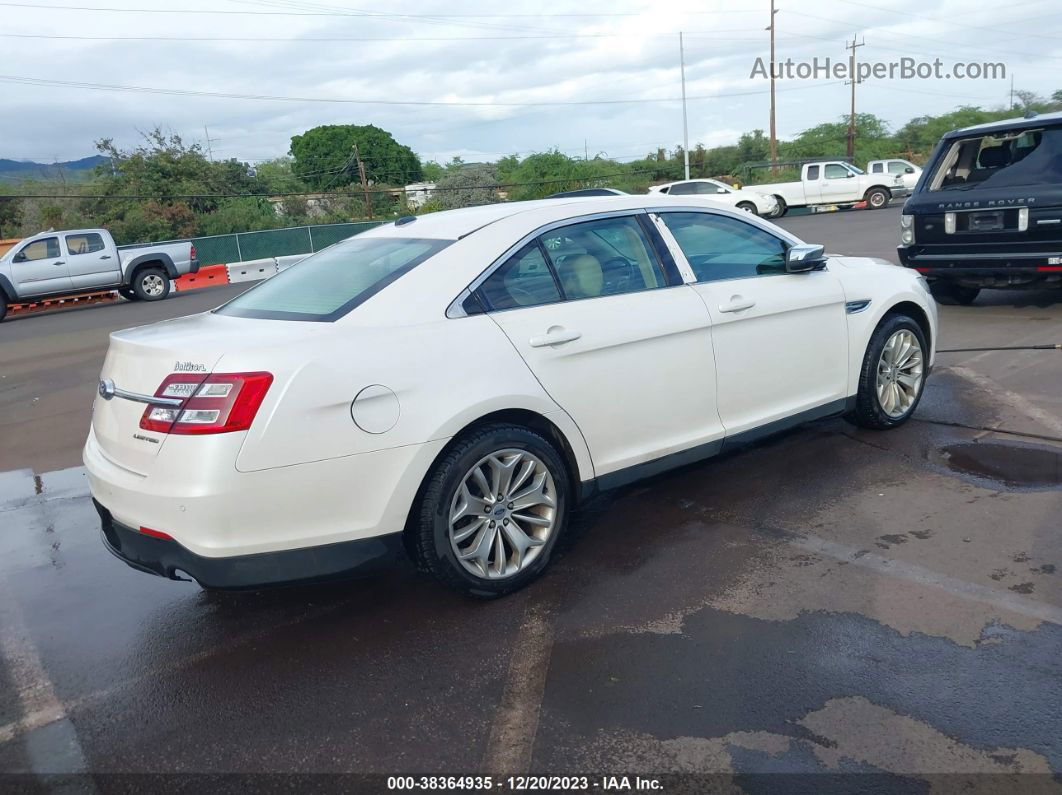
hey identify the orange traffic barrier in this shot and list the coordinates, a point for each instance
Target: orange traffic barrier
(208, 276)
(63, 301)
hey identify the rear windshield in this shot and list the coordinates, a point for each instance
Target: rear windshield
(1020, 157)
(331, 283)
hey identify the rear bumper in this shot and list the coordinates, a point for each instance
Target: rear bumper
(169, 559)
(193, 266)
(937, 262)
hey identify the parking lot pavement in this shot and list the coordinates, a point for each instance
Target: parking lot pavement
(830, 600)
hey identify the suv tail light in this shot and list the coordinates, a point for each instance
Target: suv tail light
(192, 253)
(217, 403)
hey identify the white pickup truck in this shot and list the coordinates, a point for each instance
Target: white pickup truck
(87, 260)
(832, 182)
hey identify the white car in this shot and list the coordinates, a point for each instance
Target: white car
(742, 198)
(456, 383)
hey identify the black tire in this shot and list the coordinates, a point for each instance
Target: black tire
(868, 412)
(951, 294)
(127, 293)
(877, 198)
(748, 207)
(783, 208)
(429, 526)
(148, 275)
(3, 305)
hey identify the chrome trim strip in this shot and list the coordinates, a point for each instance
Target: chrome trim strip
(853, 307)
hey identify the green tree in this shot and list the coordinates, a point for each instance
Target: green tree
(324, 156)
(278, 176)
(470, 186)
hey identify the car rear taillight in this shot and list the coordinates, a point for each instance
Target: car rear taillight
(218, 403)
(192, 253)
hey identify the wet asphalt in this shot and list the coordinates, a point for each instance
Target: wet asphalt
(831, 610)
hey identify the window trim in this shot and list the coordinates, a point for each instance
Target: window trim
(456, 307)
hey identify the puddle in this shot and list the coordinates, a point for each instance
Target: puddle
(1013, 464)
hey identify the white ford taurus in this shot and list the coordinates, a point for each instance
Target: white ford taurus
(456, 383)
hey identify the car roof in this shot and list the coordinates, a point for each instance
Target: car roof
(456, 224)
(1006, 125)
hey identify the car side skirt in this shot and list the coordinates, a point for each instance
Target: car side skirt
(622, 477)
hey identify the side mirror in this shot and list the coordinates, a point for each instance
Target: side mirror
(804, 258)
(20, 257)
(908, 170)
(850, 175)
(721, 190)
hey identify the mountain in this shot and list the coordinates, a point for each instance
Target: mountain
(25, 169)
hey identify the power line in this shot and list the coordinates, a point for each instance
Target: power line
(346, 13)
(36, 81)
(163, 197)
(299, 40)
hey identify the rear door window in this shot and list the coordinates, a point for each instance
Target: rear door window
(525, 279)
(86, 243)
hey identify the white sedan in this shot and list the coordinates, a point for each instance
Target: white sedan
(742, 198)
(456, 383)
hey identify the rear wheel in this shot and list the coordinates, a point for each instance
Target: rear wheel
(892, 377)
(877, 198)
(748, 207)
(953, 294)
(3, 306)
(151, 284)
(491, 511)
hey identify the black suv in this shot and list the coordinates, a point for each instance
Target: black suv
(987, 211)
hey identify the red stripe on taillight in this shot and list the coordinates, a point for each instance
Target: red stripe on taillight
(203, 414)
(156, 534)
(1050, 268)
(923, 270)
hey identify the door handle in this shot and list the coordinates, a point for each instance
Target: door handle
(105, 256)
(737, 304)
(555, 335)
(59, 263)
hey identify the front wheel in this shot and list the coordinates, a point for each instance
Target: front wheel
(151, 284)
(783, 208)
(491, 511)
(877, 198)
(892, 377)
(748, 207)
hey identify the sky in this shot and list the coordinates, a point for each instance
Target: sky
(490, 78)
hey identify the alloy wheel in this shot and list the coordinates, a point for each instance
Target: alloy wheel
(900, 373)
(153, 285)
(502, 514)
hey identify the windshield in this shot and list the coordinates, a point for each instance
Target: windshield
(1021, 157)
(329, 284)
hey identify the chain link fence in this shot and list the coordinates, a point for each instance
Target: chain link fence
(245, 246)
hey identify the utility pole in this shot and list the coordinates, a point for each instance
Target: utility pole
(685, 126)
(774, 128)
(364, 183)
(586, 151)
(1011, 105)
(210, 148)
(853, 81)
